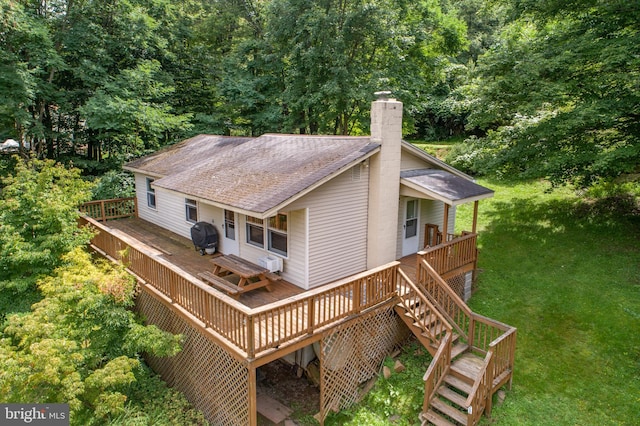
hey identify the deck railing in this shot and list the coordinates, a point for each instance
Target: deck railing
(416, 302)
(457, 254)
(437, 370)
(480, 396)
(450, 304)
(484, 335)
(251, 331)
(116, 208)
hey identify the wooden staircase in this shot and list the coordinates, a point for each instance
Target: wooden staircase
(472, 355)
(448, 405)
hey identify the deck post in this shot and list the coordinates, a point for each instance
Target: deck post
(251, 343)
(475, 216)
(102, 211)
(252, 396)
(445, 223)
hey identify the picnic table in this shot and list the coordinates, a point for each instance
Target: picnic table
(250, 275)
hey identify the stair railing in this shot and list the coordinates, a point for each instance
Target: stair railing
(485, 335)
(437, 370)
(449, 303)
(413, 299)
(480, 395)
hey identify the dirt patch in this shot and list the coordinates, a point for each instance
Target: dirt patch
(279, 380)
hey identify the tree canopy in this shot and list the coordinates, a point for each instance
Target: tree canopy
(548, 88)
(38, 220)
(558, 94)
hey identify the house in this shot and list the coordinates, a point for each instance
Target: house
(319, 208)
(332, 214)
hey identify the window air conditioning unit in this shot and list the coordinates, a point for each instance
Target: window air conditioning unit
(273, 264)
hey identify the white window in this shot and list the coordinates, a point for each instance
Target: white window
(255, 231)
(191, 210)
(277, 234)
(151, 194)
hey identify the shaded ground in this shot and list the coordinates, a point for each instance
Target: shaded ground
(279, 381)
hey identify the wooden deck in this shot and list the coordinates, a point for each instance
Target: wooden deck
(181, 252)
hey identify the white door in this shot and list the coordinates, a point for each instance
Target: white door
(230, 234)
(410, 237)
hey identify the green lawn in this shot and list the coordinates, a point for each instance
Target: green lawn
(567, 275)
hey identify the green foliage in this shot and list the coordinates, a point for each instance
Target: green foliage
(128, 114)
(114, 184)
(396, 400)
(38, 220)
(558, 94)
(80, 343)
(152, 403)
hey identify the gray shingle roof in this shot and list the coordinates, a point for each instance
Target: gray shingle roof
(252, 174)
(445, 186)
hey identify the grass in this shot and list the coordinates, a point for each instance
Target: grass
(438, 148)
(566, 273)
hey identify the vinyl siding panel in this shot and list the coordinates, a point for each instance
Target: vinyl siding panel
(411, 162)
(169, 212)
(296, 267)
(431, 211)
(337, 217)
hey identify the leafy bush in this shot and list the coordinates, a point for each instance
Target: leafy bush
(38, 220)
(114, 184)
(80, 344)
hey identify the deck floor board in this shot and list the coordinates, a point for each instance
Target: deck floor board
(181, 252)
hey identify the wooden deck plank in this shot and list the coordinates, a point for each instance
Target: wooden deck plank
(185, 256)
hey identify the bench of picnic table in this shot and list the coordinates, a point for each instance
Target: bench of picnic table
(221, 284)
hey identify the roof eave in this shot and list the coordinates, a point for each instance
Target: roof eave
(280, 207)
(446, 200)
(142, 172)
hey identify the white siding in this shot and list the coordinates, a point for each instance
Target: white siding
(337, 218)
(169, 212)
(431, 211)
(434, 213)
(294, 264)
(411, 162)
(296, 268)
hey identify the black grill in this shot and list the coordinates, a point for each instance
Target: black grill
(204, 237)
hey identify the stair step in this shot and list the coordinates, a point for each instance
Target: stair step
(449, 411)
(467, 367)
(455, 337)
(452, 396)
(436, 419)
(436, 329)
(457, 383)
(425, 316)
(458, 349)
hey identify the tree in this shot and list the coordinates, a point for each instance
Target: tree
(312, 67)
(38, 220)
(129, 114)
(80, 345)
(558, 94)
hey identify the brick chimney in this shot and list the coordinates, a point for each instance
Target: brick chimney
(384, 180)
